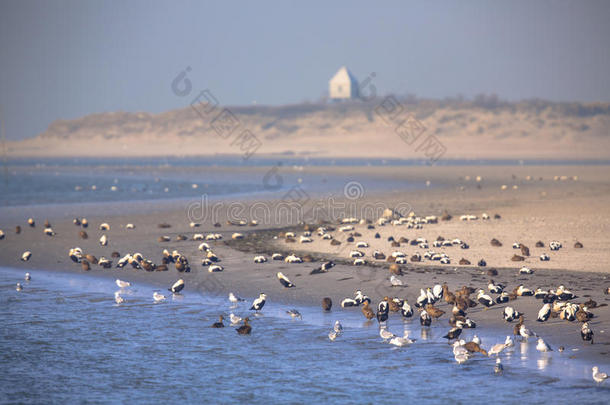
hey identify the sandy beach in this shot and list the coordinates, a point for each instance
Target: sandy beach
(569, 210)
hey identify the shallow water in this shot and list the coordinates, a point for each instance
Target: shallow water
(63, 339)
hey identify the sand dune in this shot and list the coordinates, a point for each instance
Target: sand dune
(389, 127)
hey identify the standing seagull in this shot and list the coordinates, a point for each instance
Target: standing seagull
(234, 298)
(542, 346)
(117, 298)
(598, 376)
(122, 284)
(284, 280)
(177, 287)
(259, 303)
(525, 332)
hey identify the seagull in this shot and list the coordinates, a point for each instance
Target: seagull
(544, 313)
(234, 319)
(284, 280)
(158, 297)
(338, 327)
(234, 298)
(498, 368)
(497, 348)
(525, 332)
(177, 287)
(395, 281)
(122, 284)
(476, 340)
(117, 298)
(386, 334)
(401, 341)
(259, 303)
(27, 277)
(294, 313)
(509, 342)
(18, 287)
(542, 346)
(598, 376)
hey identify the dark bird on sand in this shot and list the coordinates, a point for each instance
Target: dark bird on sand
(327, 304)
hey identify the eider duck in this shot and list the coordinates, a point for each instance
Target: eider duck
(510, 314)
(284, 280)
(495, 288)
(523, 291)
(586, 333)
(327, 304)
(177, 286)
(27, 277)
(259, 303)
(294, 313)
(544, 313)
(18, 287)
(324, 267)
(104, 240)
(220, 323)
(245, 329)
(405, 310)
(26, 256)
(454, 333)
(498, 368)
(502, 298)
(31, 222)
(544, 257)
(525, 270)
(215, 268)
(485, 299)
(424, 318)
(349, 302)
(383, 309)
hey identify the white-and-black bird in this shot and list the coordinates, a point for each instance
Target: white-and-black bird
(359, 297)
(259, 303)
(406, 310)
(349, 302)
(324, 267)
(284, 280)
(485, 299)
(502, 298)
(425, 319)
(234, 298)
(26, 256)
(544, 313)
(454, 333)
(27, 277)
(586, 333)
(495, 288)
(177, 286)
(542, 346)
(510, 314)
(383, 308)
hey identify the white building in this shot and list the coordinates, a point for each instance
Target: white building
(343, 85)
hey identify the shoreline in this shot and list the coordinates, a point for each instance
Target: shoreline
(568, 210)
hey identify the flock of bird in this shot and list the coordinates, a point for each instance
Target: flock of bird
(558, 303)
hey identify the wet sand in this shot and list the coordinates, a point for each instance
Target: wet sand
(545, 210)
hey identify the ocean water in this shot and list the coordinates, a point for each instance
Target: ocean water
(26, 182)
(64, 340)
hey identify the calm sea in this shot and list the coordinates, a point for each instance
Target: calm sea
(64, 340)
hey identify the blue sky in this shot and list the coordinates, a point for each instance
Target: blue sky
(66, 59)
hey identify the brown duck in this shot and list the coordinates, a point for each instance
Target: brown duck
(245, 329)
(367, 311)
